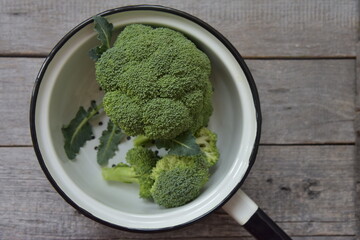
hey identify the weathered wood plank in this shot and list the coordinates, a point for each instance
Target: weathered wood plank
(309, 176)
(301, 99)
(357, 181)
(17, 77)
(256, 28)
(357, 143)
(297, 185)
(251, 238)
(306, 101)
(358, 79)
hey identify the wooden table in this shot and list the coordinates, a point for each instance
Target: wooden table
(303, 56)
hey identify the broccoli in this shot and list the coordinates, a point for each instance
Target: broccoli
(206, 139)
(156, 82)
(171, 181)
(141, 162)
(178, 180)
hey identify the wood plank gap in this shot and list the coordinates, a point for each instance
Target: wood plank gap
(309, 144)
(357, 139)
(22, 55)
(322, 235)
(298, 57)
(261, 144)
(16, 146)
(292, 235)
(305, 237)
(41, 55)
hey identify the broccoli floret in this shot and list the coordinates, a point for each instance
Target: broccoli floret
(141, 162)
(124, 111)
(206, 139)
(156, 82)
(171, 181)
(208, 108)
(165, 118)
(141, 159)
(178, 180)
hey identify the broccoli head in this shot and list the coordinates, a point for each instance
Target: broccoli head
(178, 180)
(156, 82)
(206, 139)
(141, 162)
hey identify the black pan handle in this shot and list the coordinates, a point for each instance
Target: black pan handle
(255, 221)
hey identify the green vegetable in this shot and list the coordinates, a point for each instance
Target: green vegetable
(109, 142)
(156, 83)
(142, 140)
(207, 139)
(104, 30)
(183, 145)
(171, 181)
(157, 88)
(79, 130)
(120, 173)
(141, 162)
(178, 180)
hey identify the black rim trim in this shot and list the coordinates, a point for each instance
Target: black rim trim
(217, 34)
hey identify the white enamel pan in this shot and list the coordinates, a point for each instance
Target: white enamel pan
(67, 80)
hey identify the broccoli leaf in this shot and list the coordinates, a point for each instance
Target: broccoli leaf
(109, 141)
(79, 130)
(104, 30)
(182, 145)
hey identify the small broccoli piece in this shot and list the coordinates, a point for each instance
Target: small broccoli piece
(141, 162)
(156, 82)
(206, 139)
(178, 180)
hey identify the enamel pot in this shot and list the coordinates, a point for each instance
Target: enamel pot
(67, 80)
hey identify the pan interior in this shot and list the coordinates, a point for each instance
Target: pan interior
(69, 82)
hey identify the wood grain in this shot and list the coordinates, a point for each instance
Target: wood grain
(304, 56)
(357, 143)
(256, 28)
(358, 80)
(306, 101)
(17, 77)
(303, 101)
(298, 186)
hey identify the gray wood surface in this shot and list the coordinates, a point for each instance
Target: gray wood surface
(257, 28)
(301, 99)
(357, 131)
(31, 209)
(304, 58)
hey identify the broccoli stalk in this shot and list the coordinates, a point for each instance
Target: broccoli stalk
(142, 161)
(121, 173)
(142, 140)
(171, 181)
